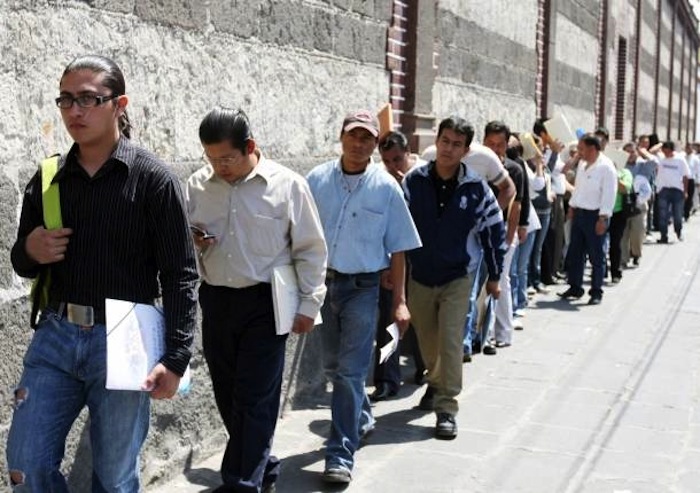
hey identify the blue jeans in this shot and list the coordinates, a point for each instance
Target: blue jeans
(349, 324)
(536, 255)
(65, 370)
(471, 324)
(518, 271)
(673, 198)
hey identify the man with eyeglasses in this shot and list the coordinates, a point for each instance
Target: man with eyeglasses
(124, 236)
(258, 215)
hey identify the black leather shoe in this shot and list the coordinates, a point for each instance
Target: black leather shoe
(381, 393)
(419, 377)
(427, 402)
(571, 293)
(489, 350)
(446, 427)
(595, 300)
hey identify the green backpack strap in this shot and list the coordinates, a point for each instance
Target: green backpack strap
(52, 220)
(49, 193)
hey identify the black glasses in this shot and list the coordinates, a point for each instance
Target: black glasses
(85, 101)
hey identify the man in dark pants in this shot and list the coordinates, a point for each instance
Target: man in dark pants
(260, 215)
(396, 155)
(590, 208)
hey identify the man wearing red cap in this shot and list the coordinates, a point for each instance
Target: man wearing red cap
(368, 228)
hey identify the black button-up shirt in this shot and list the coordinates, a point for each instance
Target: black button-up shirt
(129, 232)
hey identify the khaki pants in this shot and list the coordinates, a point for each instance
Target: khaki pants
(438, 315)
(635, 233)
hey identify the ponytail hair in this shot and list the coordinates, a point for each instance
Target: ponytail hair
(113, 80)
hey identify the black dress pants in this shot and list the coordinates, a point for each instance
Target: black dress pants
(246, 361)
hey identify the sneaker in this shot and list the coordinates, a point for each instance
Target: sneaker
(531, 291)
(466, 358)
(427, 402)
(518, 324)
(520, 312)
(662, 240)
(616, 279)
(635, 261)
(336, 474)
(446, 426)
(542, 290)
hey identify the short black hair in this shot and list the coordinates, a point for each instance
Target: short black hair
(669, 144)
(538, 128)
(458, 125)
(393, 139)
(602, 131)
(496, 127)
(226, 125)
(590, 139)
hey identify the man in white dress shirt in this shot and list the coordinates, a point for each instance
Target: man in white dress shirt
(590, 208)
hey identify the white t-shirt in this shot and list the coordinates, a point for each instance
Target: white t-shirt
(479, 159)
(670, 172)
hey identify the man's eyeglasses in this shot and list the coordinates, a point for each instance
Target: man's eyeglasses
(85, 101)
(221, 161)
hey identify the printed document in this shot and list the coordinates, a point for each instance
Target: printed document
(135, 344)
(285, 298)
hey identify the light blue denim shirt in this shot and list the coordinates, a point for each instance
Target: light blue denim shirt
(363, 226)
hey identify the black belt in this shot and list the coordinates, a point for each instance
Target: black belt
(83, 315)
(334, 274)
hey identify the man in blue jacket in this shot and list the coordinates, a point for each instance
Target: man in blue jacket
(456, 214)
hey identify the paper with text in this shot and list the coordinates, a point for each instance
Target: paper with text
(390, 347)
(135, 344)
(285, 298)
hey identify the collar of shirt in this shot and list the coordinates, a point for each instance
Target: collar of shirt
(124, 153)
(464, 175)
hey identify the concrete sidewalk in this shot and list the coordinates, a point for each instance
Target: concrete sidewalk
(591, 399)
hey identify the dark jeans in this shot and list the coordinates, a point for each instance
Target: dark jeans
(389, 373)
(670, 198)
(536, 255)
(688, 206)
(618, 222)
(246, 360)
(584, 240)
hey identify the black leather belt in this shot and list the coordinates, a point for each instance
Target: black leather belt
(334, 274)
(83, 315)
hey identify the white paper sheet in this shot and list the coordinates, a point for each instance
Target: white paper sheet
(617, 156)
(285, 298)
(391, 346)
(558, 128)
(135, 344)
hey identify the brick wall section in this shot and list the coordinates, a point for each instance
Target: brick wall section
(397, 40)
(541, 50)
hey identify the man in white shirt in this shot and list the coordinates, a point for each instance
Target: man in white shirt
(672, 175)
(691, 157)
(590, 208)
(253, 215)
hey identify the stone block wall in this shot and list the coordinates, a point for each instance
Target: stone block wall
(296, 67)
(486, 62)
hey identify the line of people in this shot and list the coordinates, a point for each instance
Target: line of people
(449, 245)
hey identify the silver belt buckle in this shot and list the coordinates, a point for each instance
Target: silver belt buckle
(80, 315)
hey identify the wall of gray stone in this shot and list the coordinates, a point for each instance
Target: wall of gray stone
(296, 67)
(486, 62)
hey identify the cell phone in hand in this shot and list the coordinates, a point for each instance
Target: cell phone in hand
(201, 233)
